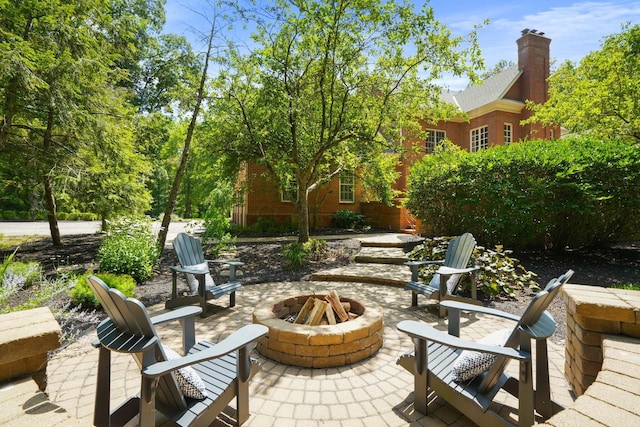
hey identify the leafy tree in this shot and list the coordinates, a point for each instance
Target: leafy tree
(62, 96)
(166, 74)
(599, 95)
(326, 80)
(199, 97)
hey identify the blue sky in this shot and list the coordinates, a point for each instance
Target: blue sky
(574, 27)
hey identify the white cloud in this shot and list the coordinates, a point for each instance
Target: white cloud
(576, 29)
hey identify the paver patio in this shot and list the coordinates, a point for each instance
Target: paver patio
(373, 392)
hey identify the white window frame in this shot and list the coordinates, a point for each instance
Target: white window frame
(508, 133)
(347, 187)
(434, 137)
(479, 138)
(289, 193)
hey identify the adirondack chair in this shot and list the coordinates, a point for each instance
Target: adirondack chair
(447, 278)
(195, 267)
(220, 371)
(450, 366)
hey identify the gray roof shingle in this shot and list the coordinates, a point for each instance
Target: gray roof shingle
(492, 89)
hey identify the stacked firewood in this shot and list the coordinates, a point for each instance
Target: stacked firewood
(327, 311)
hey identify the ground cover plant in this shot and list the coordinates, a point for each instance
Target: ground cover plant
(24, 286)
(499, 272)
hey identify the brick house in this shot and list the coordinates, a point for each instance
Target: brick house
(494, 110)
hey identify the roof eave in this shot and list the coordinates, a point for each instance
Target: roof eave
(506, 105)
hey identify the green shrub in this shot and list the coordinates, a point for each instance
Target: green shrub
(9, 215)
(294, 255)
(81, 293)
(298, 254)
(627, 286)
(568, 192)
(315, 249)
(498, 273)
(345, 218)
(267, 225)
(129, 248)
(217, 225)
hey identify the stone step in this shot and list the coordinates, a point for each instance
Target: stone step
(380, 255)
(23, 404)
(391, 240)
(382, 274)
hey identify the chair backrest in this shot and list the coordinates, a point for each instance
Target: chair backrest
(535, 322)
(459, 251)
(188, 249)
(129, 329)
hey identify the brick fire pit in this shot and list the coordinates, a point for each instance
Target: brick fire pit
(321, 346)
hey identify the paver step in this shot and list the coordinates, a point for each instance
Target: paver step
(23, 404)
(383, 274)
(391, 240)
(380, 255)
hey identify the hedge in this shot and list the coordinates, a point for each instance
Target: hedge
(569, 192)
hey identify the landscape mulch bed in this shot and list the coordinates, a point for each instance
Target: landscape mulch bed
(264, 262)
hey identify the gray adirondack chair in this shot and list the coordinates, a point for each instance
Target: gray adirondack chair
(446, 279)
(434, 355)
(189, 254)
(225, 368)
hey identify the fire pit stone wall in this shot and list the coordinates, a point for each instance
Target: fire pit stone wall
(321, 346)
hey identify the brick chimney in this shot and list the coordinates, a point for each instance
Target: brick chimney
(533, 60)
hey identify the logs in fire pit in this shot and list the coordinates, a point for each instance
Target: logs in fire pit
(316, 311)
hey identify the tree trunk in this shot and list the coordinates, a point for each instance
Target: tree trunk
(50, 199)
(303, 216)
(51, 212)
(173, 194)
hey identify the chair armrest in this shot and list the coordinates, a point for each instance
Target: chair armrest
(461, 306)
(240, 338)
(193, 271)
(419, 263)
(426, 332)
(186, 316)
(447, 271)
(226, 261)
(415, 265)
(232, 267)
(178, 314)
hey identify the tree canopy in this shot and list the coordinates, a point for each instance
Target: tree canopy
(330, 85)
(600, 95)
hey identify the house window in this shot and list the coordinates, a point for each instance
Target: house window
(479, 138)
(289, 192)
(434, 137)
(347, 187)
(508, 133)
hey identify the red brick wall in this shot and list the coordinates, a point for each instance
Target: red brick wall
(263, 199)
